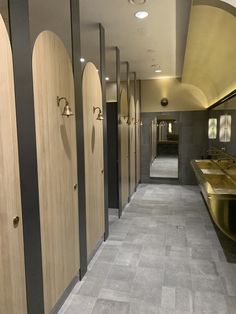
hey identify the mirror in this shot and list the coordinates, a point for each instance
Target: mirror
(164, 147)
(224, 127)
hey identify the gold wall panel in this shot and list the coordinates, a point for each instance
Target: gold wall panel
(93, 139)
(12, 272)
(57, 166)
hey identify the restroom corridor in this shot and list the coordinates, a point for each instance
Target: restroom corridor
(164, 167)
(163, 256)
(117, 153)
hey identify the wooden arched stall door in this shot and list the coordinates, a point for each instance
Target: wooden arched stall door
(124, 147)
(12, 271)
(138, 121)
(57, 165)
(132, 159)
(93, 152)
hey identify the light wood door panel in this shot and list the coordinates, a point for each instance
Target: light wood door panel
(12, 272)
(93, 150)
(124, 136)
(57, 166)
(132, 160)
(137, 142)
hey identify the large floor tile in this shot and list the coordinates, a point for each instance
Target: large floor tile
(162, 257)
(111, 307)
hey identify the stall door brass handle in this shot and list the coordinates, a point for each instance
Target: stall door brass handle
(16, 221)
(75, 186)
(102, 171)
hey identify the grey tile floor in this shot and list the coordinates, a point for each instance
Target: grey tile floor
(164, 167)
(162, 257)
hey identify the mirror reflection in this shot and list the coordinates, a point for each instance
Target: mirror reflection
(164, 147)
(222, 127)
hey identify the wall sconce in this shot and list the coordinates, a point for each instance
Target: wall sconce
(130, 121)
(124, 118)
(212, 128)
(67, 109)
(139, 122)
(100, 115)
(225, 128)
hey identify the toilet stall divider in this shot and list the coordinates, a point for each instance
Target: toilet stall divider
(105, 148)
(76, 55)
(22, 62)
(128, 101)
(118, 91)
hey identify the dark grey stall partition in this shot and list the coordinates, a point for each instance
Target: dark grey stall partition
(112, 140)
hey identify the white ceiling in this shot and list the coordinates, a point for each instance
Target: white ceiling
(159, 39)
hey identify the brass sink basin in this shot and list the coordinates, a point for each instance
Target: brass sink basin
(206, 164)
(212, 171)
(218, 185)
(220, 181)
(223, 164)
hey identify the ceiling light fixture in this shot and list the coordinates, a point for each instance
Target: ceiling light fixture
(158, 71)
(82, 60)
(107, 78)
(141, 14)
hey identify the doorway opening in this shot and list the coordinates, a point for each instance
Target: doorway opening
(164, 148)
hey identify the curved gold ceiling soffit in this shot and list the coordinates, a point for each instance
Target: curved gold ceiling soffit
(225, 5)
(210, 62)
(193, 94)
(181, 96)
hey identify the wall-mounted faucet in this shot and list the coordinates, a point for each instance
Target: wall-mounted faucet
(100, 115)
(67, 109)
(223, 159)
(233, 164)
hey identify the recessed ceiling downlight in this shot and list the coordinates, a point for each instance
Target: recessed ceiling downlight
(158, 71)
(137, 1)
(141, 14)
